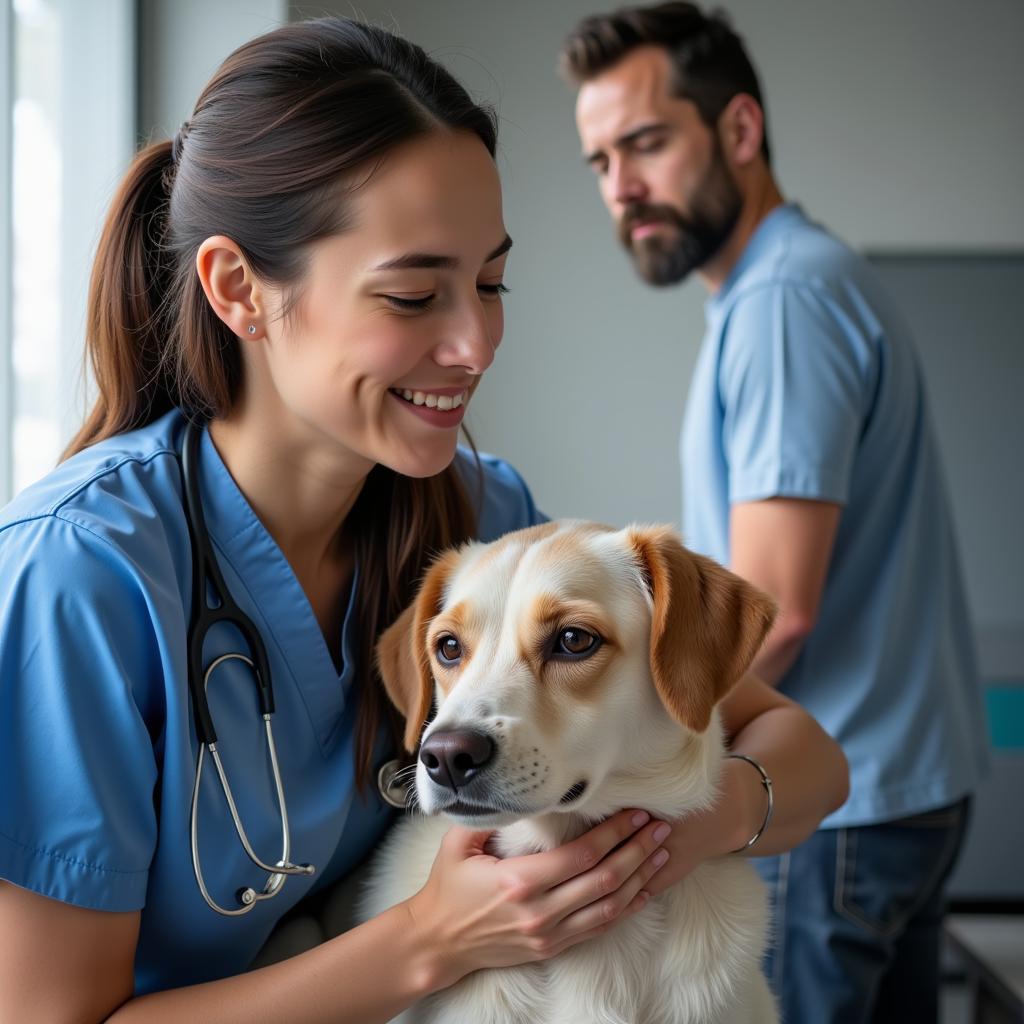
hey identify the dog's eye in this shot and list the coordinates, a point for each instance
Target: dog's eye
(449, 650)
(573, 642)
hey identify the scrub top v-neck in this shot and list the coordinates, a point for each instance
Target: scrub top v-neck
(97, 746)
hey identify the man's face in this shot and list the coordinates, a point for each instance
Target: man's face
(662, 172)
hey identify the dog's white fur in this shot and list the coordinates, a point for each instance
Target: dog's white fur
(636, 721)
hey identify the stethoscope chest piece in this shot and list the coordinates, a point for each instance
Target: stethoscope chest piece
(392, 788)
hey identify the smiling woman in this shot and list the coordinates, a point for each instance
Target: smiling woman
(377, 316)
(404, 300)
(306, 282)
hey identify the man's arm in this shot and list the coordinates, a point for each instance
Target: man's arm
(783, 546)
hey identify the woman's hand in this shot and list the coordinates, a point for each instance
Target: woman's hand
(723, 828)
(479, 911)
(807, 768)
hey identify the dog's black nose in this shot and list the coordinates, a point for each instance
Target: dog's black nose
(453, 758)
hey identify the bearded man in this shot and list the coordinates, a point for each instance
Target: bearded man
(811, 468)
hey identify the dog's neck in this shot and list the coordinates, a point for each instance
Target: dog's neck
(669, 784)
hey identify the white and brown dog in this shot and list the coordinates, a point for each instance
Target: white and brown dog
(575, 671)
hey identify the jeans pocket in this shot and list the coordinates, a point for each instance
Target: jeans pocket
(886, 873)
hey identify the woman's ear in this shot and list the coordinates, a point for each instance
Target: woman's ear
(231, 287)
(403, 660)
(706, 627)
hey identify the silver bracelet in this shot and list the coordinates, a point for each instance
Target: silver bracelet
(767, 783)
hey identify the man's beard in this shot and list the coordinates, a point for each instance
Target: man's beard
(693, 238)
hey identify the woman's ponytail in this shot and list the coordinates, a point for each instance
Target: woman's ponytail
(127, 320)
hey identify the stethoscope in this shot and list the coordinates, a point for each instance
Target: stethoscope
(207, 583)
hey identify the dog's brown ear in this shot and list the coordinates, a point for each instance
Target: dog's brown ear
(402, 659)
(707, 626)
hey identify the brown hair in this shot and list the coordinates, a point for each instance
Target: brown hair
(265, 159)
(709, 60)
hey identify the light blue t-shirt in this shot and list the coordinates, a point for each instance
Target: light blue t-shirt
(807, 386)
(97, 746)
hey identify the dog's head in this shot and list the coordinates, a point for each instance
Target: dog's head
(561, 658)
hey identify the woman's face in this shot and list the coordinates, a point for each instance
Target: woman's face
(399, 315)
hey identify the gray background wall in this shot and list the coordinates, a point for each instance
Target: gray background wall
(181, 44)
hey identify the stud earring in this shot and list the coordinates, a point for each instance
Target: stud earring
(252, 328)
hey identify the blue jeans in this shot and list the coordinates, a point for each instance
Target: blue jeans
(857, 918)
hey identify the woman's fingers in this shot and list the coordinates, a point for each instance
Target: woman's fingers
(563, 943)
(596, 917)
(610, 877)
(465, 842)
(539, 872)
(492, 912)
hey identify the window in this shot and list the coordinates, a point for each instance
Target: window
(66, 135)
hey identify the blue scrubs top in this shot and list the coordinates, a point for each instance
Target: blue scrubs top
(807, 385)
(97, 746)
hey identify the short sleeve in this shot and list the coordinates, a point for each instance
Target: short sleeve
(77, 765)
(791, 386)
(499, 494)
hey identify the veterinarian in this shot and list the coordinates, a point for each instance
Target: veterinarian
(291, 306)
(810, 467)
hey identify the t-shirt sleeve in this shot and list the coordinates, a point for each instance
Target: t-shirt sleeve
(499, 494)
(77, 764)
(792, 392)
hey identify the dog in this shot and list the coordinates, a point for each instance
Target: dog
(575, 670)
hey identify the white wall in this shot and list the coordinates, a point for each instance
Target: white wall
(898, 124)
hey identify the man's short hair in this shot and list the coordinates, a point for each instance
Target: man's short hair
(709, 61)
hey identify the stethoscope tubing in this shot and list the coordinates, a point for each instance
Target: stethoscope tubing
(206, 576)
